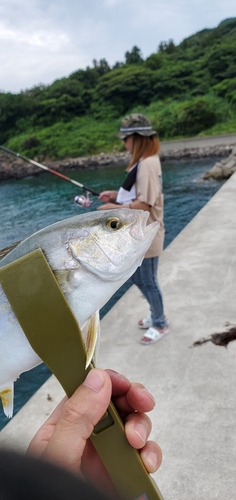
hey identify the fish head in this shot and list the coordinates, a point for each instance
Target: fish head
(100, 251)
(106, 241)
(113, 245)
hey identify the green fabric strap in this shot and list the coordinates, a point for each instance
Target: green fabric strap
(55, 336)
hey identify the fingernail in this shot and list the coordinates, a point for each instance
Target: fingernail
(152, 458)
(149, 395)
(95, 380)
(141, 430)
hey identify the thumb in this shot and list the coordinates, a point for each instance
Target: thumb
(78, 417)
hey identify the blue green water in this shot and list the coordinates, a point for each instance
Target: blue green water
(32, 203)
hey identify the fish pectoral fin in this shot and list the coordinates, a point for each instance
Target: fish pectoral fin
(91, 334)
(7, 396)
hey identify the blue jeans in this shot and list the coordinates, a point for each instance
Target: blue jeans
(145, 278)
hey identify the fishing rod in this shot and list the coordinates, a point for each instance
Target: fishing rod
(89, 190)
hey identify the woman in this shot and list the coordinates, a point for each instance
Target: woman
(142, 190)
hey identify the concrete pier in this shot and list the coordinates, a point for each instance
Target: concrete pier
(194, 420)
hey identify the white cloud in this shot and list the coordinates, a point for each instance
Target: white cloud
(40, 39)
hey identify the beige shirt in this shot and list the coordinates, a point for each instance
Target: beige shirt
(149, 190)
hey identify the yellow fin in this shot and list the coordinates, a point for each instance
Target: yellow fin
(6, 396)
(91, 334)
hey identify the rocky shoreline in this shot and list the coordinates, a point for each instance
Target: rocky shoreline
(12, 168)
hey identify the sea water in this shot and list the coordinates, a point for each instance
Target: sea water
(32, 203)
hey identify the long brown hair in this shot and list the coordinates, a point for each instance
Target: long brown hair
(143, 147)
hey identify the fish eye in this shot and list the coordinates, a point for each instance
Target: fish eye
(114, 223)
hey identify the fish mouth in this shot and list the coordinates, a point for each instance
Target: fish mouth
(143, 232)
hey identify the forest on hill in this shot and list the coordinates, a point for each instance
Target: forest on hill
(186, 90)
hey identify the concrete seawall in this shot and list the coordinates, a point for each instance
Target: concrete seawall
(195, 415)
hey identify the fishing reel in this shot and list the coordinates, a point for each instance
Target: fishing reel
(83, 201)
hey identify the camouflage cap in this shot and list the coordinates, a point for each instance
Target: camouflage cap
(135, 124)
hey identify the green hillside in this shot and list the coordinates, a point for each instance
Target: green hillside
(186, 90)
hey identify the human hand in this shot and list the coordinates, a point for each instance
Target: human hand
(64, 437)
(107, 196)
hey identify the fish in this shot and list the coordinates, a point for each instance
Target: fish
(91, 256)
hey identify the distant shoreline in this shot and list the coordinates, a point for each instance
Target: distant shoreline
(12, 168)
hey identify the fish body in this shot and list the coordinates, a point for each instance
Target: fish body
(91, 256)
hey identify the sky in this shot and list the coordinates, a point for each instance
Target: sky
(45, 40)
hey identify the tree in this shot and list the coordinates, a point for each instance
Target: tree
(13, 108)
(174, 80)
(155, 61)
(195, 116)
(88, 77)
(168, 47)
(126, 87)
(133, 57)
(101, 66)
(118, 65)
(221, 62)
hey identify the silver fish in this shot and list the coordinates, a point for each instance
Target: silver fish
(91, 256)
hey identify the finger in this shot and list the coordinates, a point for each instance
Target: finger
(137, 398)
(79, 415)
(137, 428)
(129, 396)
(151, 456)
(120, 384)
(140, 398)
